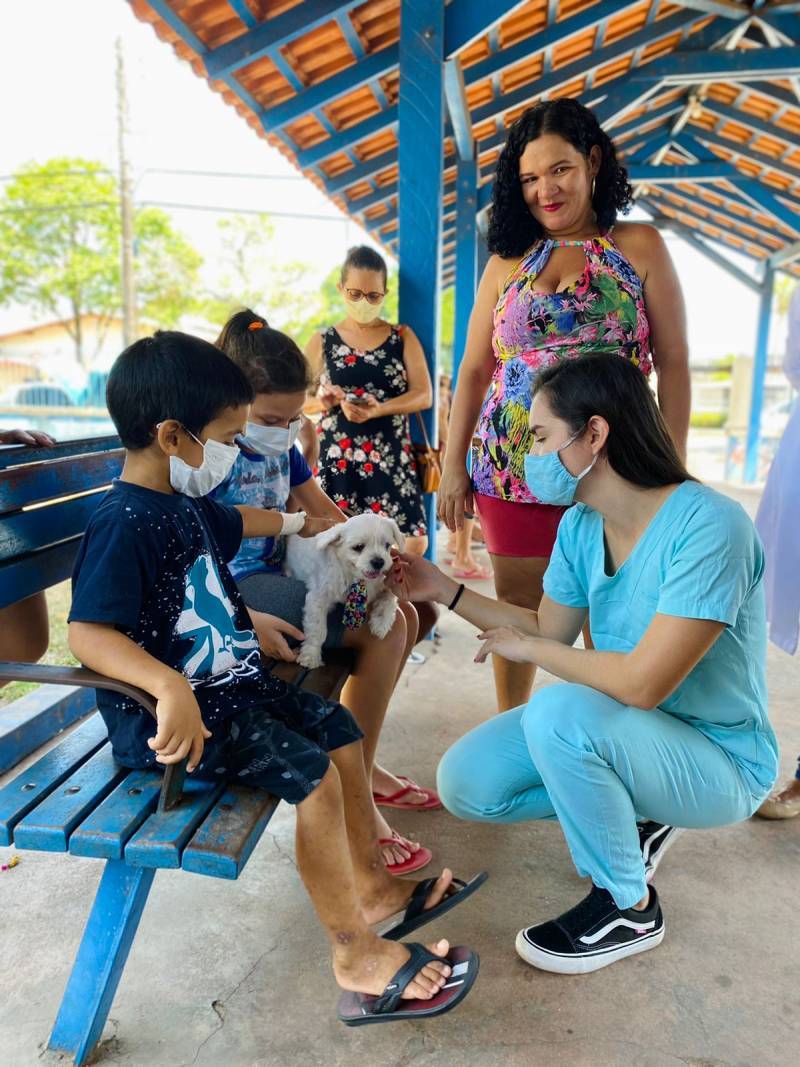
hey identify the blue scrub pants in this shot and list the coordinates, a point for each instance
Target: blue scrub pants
(577, 755)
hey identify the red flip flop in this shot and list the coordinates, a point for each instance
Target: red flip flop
(415, 862)
(395, 800)
(477, 574)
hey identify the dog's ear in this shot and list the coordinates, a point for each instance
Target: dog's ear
(331, 537)
(396, 534)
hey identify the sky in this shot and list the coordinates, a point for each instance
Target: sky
(58, 93)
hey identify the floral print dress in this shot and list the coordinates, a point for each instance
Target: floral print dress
(603, 311)
(369, 466)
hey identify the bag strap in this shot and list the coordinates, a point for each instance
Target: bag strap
(421, 422)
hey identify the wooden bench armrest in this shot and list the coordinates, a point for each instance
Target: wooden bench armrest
(327, 681)
(174, 773)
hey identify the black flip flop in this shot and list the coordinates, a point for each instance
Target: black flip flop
(416, 914)
(359, 1009)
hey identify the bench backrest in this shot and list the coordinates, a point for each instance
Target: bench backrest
(47, 496)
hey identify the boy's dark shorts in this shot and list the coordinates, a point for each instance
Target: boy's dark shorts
(280, 746)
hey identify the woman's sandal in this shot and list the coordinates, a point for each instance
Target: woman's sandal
(359, 1009)
(395, 800)
(415, 862)
(416, 914)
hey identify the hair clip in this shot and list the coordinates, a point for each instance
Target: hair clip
(256, 326)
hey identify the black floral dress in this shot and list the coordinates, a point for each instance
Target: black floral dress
(369, 466)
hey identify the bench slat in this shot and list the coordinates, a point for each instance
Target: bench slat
(230, 832)
(48, 827)
(16, 455)
(21, 795)
(38, 571)
(28, 531)
(38, 716)
(33, 483)
(162, 839)
(105, 831)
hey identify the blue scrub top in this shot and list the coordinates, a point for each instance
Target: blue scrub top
(699, 558)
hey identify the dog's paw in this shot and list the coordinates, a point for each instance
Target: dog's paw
(310, 657)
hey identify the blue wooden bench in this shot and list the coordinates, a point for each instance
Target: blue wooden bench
(75, 798)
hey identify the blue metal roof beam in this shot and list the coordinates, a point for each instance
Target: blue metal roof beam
(340, 142)
(780, 166)
(352, 78)
(466, 20)
(677, 227)
(727, 9)
(693, 203)
(317, 96)
(632, 126)
(652, 145)
(241, 9)
(741, 65)
(271, 35)
(785, 256)
(753, 122)
(763, 198)
(580, 67)
(458, 108)
(555, 33)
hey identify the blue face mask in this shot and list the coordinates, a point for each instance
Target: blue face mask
(549, 480)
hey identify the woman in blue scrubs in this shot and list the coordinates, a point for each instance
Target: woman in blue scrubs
(663, 725)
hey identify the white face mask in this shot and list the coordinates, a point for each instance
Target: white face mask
(271, 440)
(218, 459)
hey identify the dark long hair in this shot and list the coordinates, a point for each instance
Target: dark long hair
(639, 447)
(269, 359)
(512, 227)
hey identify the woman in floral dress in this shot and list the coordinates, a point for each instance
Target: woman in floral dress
(564, 280)
(373, 375)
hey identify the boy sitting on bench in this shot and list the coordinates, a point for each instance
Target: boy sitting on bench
(154, 605)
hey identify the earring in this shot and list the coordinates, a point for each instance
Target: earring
(594, 182)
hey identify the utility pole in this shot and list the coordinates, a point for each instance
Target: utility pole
(125, 207)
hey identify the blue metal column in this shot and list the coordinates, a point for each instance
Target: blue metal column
(420, 154)
(110, 930)
(759, 373)
(466, 254)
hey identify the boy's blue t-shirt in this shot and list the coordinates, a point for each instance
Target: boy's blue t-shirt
(700, 558)
(154, 566)
(261, 482)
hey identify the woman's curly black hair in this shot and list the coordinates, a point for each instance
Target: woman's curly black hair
(512, 227)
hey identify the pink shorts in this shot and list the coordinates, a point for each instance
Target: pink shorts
(526, 531)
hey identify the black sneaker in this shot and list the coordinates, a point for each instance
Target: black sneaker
(592, 935)
(654, 840)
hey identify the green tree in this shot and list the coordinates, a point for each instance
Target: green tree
(251, 272)
(60, 250)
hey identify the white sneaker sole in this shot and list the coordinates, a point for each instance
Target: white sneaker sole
(584, 964)
(674, 833)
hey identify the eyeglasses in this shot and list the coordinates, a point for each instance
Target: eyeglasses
(371, 298)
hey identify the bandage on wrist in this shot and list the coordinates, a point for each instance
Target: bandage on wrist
(293, 521)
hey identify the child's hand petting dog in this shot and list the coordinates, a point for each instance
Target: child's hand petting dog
(181, 731)
(314, 526)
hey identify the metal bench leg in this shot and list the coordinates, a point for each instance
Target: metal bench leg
(110, 930)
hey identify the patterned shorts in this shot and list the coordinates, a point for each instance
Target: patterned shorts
(281, 746)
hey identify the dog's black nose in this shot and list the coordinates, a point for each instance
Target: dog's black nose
(376, 563)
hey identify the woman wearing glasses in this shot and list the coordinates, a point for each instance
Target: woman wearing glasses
(373, 375)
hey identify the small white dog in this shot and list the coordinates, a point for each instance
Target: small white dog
(344, 565)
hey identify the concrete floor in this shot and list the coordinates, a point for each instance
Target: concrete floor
(236, 974)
